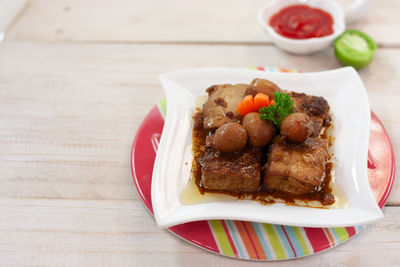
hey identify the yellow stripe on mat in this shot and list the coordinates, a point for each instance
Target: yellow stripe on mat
(222, 239)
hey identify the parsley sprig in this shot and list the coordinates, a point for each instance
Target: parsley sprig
(276, 113)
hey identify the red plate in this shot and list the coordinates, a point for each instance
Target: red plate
(257, 241)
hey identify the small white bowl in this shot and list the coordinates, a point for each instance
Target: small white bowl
(303, 46)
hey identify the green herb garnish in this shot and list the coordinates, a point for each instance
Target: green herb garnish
(276, 113)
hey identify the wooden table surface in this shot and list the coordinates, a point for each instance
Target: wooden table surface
(76, 80)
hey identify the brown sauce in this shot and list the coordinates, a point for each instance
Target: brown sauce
(262, 195)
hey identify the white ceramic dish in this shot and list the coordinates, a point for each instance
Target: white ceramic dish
(348, 100)
(302, 46)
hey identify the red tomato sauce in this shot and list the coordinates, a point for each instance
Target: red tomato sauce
(302, 22)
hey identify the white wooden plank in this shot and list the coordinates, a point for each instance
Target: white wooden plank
(9, 9)
(170, 21)
(66, 125)
(122, 233)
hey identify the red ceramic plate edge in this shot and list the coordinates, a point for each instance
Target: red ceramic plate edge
(388, 189)
(147, 202)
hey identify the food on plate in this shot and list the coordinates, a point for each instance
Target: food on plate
(238, 171)
(262, 142)
(315, 107)
(261, 132)
(230, 137)
(302, 22)
(262, 86)
(354, 48)
(221, 105)
(246, 105)
(262, 100)
(282, 106)
(252, 103)
(297, 127)
(296, 168)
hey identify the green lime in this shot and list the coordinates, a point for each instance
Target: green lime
(354, 48)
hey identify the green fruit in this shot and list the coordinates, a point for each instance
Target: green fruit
(354, 48)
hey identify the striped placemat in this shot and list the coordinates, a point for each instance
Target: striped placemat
(262, 241)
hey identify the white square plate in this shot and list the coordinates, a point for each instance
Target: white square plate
(346, 95)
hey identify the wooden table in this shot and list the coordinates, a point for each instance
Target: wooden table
(76, 80)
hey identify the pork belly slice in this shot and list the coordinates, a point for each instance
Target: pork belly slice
(316, 107)
(238, 171)
(221, 105)
(296, 168)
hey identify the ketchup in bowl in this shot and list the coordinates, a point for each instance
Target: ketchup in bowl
(302, 22)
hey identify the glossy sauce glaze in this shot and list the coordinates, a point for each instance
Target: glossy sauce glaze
(263, 195)
(302, 22)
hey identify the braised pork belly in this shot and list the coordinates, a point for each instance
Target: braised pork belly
(293, 165)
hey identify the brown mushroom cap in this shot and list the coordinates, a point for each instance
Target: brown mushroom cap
(297, 127)
(230, 137)
(261, 132)
(262, 86)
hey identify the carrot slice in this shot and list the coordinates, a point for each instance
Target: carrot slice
(246, 105)
(261, 100)
(242, 109)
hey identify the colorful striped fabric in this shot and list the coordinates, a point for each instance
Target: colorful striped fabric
(261, 241)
